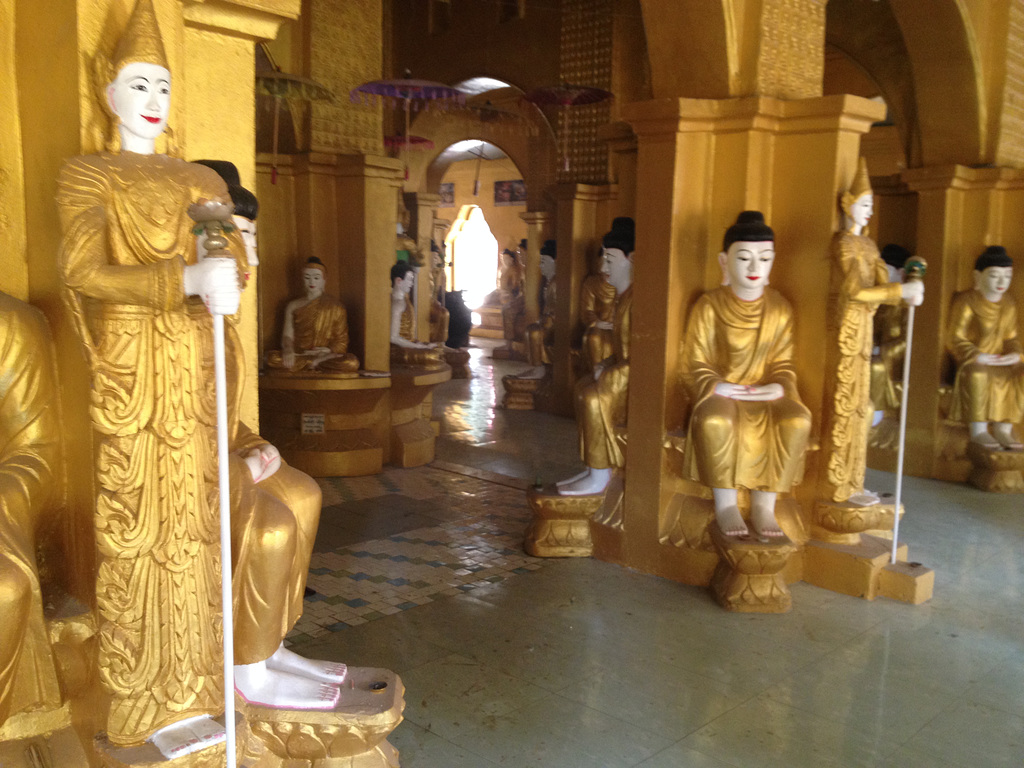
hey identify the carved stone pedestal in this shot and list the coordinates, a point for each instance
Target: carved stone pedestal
(412, 433)
(996, 471)
(843, 523)
(561, 524)
(748, 578)
(458, 361)
(352, 735)
(521, 394)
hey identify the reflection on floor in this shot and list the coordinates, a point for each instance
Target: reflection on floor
(517, 662)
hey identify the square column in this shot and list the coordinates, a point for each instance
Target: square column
(536, 232)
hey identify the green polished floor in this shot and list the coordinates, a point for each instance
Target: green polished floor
(510, 661)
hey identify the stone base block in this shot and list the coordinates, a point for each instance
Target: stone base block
(352, 735)
(520, 394)
(996, 471)
(412, 443)
(458, 360)
(748, 578)
(907, 582)
(850, 569)
(561, 524)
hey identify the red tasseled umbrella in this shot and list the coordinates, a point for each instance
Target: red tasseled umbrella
(567, 95)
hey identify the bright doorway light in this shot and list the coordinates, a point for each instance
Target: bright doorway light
(473, 252)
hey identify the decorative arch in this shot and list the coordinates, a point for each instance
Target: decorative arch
(528, 141)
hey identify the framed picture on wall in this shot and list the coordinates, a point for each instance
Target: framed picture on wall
(510, 192)
(447, 192)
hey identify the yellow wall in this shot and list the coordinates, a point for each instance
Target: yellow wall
(504, 221)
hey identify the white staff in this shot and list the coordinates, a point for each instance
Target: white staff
(914, 269)
(213, 217)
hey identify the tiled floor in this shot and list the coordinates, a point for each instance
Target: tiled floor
(516, 662)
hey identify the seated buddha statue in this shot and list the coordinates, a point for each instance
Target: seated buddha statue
(601, 403)
(30, 492)
(315, 336)
(404, 350)
(540, 335)
(988, 392)
(748, 427)
(597, 309)
(141, 306)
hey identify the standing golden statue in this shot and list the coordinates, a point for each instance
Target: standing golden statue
(601, 403)
(889, 342)
(315, 335)
(137, 287)
(540, 335)
(597, 314)
(31, 489)
(439, 315)
(748, 428)
(988, 392)
(859, 283)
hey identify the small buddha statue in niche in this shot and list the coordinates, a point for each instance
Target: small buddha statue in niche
(141, 305)
(890, 329)
(988, 392)
(404, 350)
(597, 310)
(30, 491)
(859, 283)
(748, 427)
(439, 315)
(315, 335)
(601, 403)
(540, 335)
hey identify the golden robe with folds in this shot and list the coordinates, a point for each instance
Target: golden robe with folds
(31, 483)
(431, 358)
(597, 302)
(540, 335)
(735, 443)
(985, 392)
(127, 237)
(601, 405)
(859, 283)
(323, 322)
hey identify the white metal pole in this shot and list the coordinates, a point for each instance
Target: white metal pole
(224, 485)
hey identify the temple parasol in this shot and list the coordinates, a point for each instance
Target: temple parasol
(291, 88)
(567, 95)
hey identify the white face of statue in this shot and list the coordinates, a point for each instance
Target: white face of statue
(547, 267)
(746, 266)
(862, 210)
(618, 268)
(406, 283)
(993, 282)
(313, 282)
(141, 97)
(247, 228)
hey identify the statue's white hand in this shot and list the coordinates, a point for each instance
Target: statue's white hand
(730, 390)
(604, 325)
(913, 293)
(216, 282)
(263, 462)
(763, 393)
(985, 358)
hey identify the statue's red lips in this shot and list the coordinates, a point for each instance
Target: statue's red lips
(149, 119)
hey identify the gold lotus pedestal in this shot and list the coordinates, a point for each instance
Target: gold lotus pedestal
(524, 394)
(352, 735)
(996, 471)
(458, 361)
(561, 524)
(327, 426)
(749, 576)
(412, 431)
(843, 557)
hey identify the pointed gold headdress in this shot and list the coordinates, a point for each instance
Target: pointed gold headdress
(860, 186)
(141, 41)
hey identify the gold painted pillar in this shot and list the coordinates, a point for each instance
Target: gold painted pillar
(700, 162)
(582, 216)
(421, 206)
(13, 235)
(536, 231)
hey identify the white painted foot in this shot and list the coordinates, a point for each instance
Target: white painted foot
(865, 498)
(187, 736)
(1007, 437)
(284, 660)
(762, 515)
(534, 373)
(258, 684)
(595, 481)
(575, 478)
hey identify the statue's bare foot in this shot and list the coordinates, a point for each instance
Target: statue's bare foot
(730, 522)
(762, 520)
(187, 736)
(258, 684)
(537, 372)
(1007, 437)
(986, 440)
(284, 660)
(595, 481)
(573, 479)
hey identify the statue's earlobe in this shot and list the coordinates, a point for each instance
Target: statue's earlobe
(977, 280)
(723, 259)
